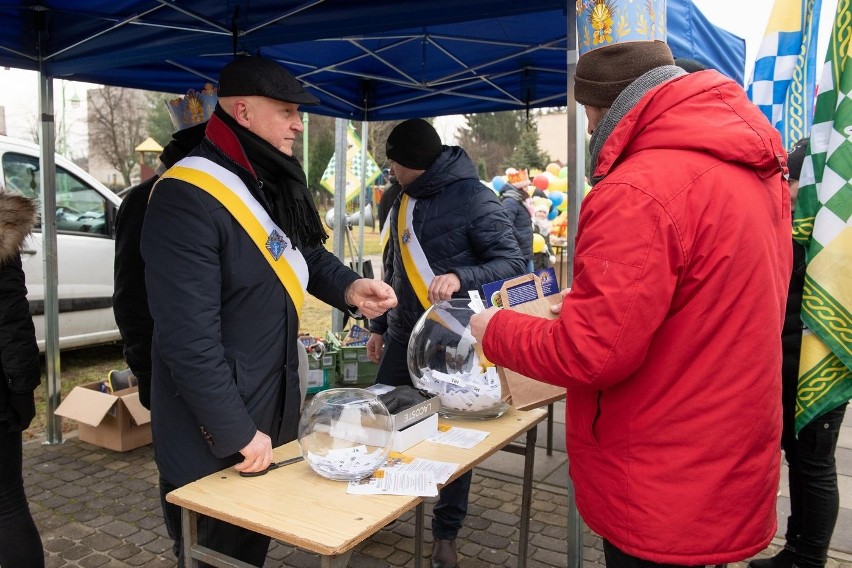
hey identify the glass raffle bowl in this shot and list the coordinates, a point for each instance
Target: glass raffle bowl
(345, 434)
(445, 360)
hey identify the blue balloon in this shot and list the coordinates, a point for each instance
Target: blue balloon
(552, 214)
(498, 183)
(556, 197)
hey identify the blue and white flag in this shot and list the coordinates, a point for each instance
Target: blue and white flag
(783, 81)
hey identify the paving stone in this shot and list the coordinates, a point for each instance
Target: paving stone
(103, 511)
(94, 561)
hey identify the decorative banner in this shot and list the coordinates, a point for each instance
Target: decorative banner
(353, 168)
(783, 80)
(606, 22)
(822, 226)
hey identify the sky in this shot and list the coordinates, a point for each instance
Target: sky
(745, 18)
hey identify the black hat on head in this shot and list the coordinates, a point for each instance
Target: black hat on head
(414, 144)
(796, 157)
(256, 76)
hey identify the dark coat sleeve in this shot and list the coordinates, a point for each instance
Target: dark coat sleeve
(130, 296)
(493, 242)
(329, 277)
(181, 243)
(19, 362)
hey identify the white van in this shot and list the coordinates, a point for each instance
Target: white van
(85, 240)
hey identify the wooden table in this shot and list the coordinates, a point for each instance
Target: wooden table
(296, 506)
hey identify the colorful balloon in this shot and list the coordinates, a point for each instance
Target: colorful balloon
(563, 172)
(556, 197)
(552, 214)
(498, 183)
(553, 168)
(541, 181)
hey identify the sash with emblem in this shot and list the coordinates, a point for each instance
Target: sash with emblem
(287, 263)
(414, 260)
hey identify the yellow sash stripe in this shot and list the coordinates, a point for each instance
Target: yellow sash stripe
(249, 223)
(417, 282)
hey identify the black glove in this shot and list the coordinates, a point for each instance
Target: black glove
(23, 405)
(402, 397)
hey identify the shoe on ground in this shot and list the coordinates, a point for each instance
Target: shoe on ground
(444, 554)
(783, 559)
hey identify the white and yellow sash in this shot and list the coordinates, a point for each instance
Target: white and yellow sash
(288, 263)
(384, 235)
(413, 258)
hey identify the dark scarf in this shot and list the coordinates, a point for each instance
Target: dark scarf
(284, 186)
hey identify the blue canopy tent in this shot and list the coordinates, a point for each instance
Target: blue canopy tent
(414, 59)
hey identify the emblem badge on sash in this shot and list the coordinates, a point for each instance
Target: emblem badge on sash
(406, 236)
(276, 244)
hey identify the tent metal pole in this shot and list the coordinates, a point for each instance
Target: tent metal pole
(47, 180)
(306, 119)
(363, 201)
(576, 166)
(340, 125)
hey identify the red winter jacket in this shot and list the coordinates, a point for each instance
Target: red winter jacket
(669, 342)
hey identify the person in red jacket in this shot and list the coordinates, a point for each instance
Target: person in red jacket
(668, 340)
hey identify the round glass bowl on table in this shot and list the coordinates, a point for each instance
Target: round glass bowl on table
(445, 360)
(345, 434)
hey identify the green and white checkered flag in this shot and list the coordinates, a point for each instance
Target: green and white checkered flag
(353, 171)
(822, 226)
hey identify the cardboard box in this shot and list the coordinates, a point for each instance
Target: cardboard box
(355, 368)
(114, 421)
(322, 372)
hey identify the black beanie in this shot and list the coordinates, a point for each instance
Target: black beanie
(796, 157)
(413, 144)
(604, 72)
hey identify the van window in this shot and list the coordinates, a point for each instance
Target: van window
(79, 207)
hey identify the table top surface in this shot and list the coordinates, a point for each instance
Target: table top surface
(299, 507)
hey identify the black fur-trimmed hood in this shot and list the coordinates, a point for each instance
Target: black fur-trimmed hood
(17, 218)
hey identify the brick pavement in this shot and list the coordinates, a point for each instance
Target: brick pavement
(98, 508)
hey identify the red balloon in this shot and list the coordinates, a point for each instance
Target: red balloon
(541, 181)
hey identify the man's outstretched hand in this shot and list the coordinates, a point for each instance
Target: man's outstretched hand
(372, 297)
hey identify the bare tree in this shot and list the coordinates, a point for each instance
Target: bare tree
(118, 123)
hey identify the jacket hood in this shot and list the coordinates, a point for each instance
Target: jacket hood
(697, 112)
(452, 165)
(17, 218)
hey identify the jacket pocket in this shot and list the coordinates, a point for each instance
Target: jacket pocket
(240, 374)
(583, 414)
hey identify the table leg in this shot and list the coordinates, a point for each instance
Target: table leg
(550, 429)
(189, 530)
(339, 561)
(419, 513)
(526, 497)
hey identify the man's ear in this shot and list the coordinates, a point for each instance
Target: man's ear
(242, 113)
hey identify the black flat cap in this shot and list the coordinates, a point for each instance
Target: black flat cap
(260, 77)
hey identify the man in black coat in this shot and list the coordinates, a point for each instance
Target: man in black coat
(232, 241)
(467, 241)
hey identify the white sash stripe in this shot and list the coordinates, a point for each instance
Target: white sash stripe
(414, 248)
(293, 257)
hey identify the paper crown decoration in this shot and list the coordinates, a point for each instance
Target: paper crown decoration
(193, 108)
(514, 176)
(606, 22)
